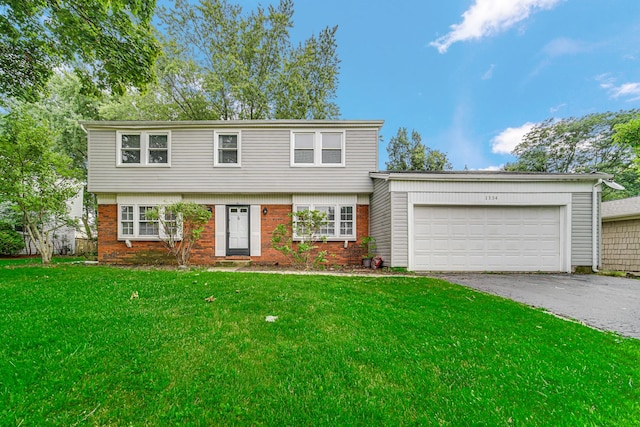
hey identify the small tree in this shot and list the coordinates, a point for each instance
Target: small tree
(35, 178)
(304, 228)
(181, 225)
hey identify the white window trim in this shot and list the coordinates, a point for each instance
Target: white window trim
(216, 162)
(337, 210)
(136, 224)
(317, 149)
(144, 149)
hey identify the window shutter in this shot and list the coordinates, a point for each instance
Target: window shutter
(256, 242)
(221, 230)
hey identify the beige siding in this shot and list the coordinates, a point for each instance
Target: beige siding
(621, 245)
(399, 230)
(380, 218)
(265, 165)
(581, 226)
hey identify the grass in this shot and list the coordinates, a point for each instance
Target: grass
(36, 260)
(76, 349)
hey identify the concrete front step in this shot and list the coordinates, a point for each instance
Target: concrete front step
(233, 263)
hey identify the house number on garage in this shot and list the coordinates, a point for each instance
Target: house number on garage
(491, 197)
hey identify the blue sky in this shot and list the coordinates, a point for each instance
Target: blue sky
(472, 75)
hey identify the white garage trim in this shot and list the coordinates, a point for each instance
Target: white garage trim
(560, 242)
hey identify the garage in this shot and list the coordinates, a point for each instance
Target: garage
(487, 238)
(487, 221)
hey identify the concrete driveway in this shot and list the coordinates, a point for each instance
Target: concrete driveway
(607, 303)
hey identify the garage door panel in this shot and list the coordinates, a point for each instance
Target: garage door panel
(480, 238)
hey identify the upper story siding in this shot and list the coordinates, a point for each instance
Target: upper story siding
(265, 159)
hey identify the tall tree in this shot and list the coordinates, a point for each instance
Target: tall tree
(406, 155)
(108, 42)
(35, 177)
(219, 62)
(580, 145)
(66, 104)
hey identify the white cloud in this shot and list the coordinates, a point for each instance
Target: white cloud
(492, 168)
(489, 73)
(564, 46)
(557, 108)
(631, 90)
(488, 17)
(506, 141)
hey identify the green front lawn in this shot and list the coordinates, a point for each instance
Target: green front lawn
(76, 349)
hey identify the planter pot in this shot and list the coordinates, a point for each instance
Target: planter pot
(366, 262)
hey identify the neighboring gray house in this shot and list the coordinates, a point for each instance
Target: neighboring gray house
(621, 234)
(252, 174)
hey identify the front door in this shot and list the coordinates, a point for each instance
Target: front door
(237, 230)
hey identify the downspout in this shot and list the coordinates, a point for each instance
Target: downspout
(594, 226)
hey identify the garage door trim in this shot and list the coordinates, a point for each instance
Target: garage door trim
(564, 226)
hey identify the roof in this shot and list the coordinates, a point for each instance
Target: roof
(235, 124)
(487, 176)
(621, 209)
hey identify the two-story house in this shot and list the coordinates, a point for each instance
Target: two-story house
(252, 174)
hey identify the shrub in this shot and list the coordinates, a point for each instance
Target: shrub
(305, 226)
(11, 242)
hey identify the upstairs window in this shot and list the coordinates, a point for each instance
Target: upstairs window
(317, 148)
(303, 147)
(143, 148)
(130, 149)
(227, 149)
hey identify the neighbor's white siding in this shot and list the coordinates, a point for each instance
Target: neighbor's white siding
(265, 165)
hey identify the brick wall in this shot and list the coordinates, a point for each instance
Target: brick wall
(112, 251)
(621, 245)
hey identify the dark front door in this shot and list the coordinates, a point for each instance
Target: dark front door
(237, 230)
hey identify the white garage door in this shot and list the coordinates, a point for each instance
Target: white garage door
(478, 238)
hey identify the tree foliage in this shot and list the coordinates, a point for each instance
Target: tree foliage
(181, 225)
(412, 155)
(11, 242)
(580, 145)
(107, 42)
(219, 63)
(297, 240)
(35, 178)
(65, 105)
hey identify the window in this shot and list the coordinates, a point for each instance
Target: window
(130, 148)
(158, 149)
(303, 148)
(329, 229)
(331, 148)
(317, 148)
(126, 220)
(227, 149)
(143, 149)
(134, 223)
(146, 226)
(346, 221)
(338, 227)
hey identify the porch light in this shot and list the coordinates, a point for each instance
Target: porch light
(264, 211)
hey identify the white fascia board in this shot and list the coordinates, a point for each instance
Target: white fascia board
(488, 176)
(239, 124)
